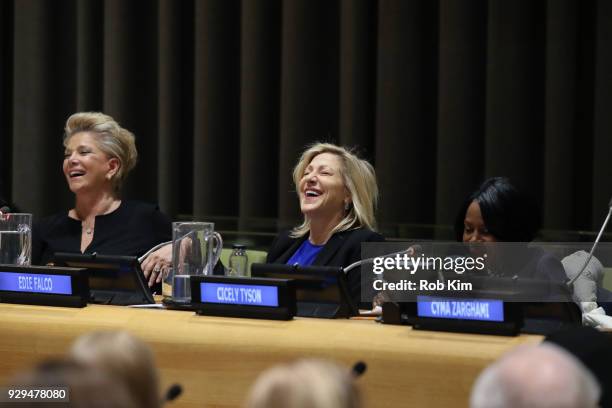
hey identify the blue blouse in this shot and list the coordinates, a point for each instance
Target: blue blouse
(305, 254)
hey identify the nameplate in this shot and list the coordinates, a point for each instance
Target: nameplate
(43, 285)
(484, 310)
(243, 297)
(35, 283)
(239, 294)
(467, 315)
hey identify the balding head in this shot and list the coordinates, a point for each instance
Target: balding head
(540, 376)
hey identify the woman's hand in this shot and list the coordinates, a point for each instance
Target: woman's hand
(157, 263)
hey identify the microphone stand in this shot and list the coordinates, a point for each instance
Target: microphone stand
(570, 284)
(411, 250)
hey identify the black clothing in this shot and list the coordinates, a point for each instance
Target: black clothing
(533, 263)
(342, 249)
(594, 349)
(132, 229)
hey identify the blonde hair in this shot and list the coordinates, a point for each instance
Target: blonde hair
(360, 180)
(87, 386)
(112, 139)
(126, 358)
(309, 383)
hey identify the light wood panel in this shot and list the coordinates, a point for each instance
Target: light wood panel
(217, 359)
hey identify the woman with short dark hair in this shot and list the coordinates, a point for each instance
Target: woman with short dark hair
(498, 212)
(508, 214)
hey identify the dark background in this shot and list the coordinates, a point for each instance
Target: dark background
(223, 95)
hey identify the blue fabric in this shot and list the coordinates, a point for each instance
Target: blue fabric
(305, 254)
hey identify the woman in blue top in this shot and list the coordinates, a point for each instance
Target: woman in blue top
(338, 195)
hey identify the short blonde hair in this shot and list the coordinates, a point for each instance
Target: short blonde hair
(308, 383)
(126, 358)
(360, 180)
(112, 139)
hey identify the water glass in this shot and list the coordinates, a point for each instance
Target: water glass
(15, 238)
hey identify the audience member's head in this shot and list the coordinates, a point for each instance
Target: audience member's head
(497, 211)
(88, 387)
(125, 357)
(594, 349)
(542, 376)
(305, 384)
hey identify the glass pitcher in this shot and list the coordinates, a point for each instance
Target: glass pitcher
(196, 249)
(15, 238)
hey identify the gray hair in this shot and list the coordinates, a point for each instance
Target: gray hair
(542, 376)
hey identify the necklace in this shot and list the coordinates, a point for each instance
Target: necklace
(88, 230)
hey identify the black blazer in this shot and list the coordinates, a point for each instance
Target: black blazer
(342, 249)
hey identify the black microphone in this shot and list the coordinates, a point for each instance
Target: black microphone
(603, 227)
(359, 368)
(173, 392)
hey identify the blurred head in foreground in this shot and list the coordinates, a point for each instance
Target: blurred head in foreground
(126, 358)
(305, 384)
(542, 376)
(88, 387)
(594, 349)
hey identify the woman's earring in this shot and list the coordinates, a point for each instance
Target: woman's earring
(347, 205)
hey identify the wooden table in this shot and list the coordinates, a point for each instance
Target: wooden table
(217, 359)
